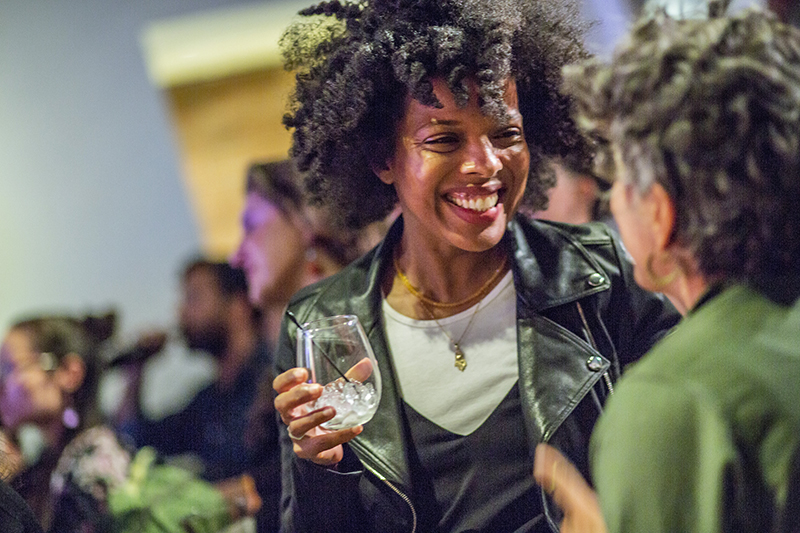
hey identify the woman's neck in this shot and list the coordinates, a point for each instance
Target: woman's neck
(53, 432)
(686, 291)
(424, 283)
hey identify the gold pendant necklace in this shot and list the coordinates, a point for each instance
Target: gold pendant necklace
(461, 361)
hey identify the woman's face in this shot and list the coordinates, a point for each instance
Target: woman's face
(271, 252)
(459, 174)
(632, 214)
(28, 393)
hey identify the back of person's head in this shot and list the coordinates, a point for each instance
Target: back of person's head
(709, 109)
(579, 195)
(579, 167)
(231, 281)
(59, 336)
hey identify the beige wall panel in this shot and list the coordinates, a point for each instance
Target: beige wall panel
(222, 126)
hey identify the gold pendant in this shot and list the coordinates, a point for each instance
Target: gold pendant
(461, 363)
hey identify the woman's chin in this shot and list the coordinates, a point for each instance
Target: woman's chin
(484, 229)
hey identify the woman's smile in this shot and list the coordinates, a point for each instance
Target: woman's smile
(479, 198)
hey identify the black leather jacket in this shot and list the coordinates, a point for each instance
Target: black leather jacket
(580, 320)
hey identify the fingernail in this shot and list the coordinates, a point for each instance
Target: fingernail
(298, 374)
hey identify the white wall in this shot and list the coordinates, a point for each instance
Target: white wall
(92, 209)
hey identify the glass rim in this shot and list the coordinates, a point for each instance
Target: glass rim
(329, 322)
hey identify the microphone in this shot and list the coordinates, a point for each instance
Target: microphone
(147, 346)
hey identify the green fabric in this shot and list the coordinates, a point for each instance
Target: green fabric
(159, 498)
(700, 432)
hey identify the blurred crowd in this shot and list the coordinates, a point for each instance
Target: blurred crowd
(579, 278)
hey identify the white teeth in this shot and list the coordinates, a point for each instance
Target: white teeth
(484, 203)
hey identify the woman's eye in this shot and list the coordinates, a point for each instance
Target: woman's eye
(442, 143)
(509, 136)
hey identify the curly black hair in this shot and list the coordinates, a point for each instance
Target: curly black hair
(358, 61)
(709, 109)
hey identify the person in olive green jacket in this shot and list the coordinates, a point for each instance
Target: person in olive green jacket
(702, 123)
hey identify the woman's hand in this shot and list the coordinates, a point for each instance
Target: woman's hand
(311, 442)
(11, 461)
(569, 490)
(241, 494)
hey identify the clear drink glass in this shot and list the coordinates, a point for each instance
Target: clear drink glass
(338, 355)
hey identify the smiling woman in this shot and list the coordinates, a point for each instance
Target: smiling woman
(492, 332)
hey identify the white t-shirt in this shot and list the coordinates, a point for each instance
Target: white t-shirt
(424, 360)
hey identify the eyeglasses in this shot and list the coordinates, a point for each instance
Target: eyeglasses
(47, 361)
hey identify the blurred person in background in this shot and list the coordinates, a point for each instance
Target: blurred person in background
(700, 118)
(578, 197)
(215, 428)
(287, 243)
(49, 370)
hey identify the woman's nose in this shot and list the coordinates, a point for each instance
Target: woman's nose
(481, 158)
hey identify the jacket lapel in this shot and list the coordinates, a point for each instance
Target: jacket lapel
(556, 367)
(556, 370)
(382, 444)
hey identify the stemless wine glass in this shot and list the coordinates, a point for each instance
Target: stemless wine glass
(338, 355)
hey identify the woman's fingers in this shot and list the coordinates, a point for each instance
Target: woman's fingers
(296, 396)
(325, 448)
(309, 440)
(293, 392)
(290, 378)
(556, 475)
(360, 371)
(302, 425)
(545, 466)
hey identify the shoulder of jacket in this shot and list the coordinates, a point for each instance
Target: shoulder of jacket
(545, 238)
(589, 234)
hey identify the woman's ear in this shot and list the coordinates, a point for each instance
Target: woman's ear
(319, 264)
(663, 215)
(384, 172)
(70, 373)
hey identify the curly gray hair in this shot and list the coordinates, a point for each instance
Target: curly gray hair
(709, 109)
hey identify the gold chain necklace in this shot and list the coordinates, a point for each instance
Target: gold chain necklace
(442, 305)
(461, 362)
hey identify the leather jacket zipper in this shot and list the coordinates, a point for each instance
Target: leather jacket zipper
(400, 493)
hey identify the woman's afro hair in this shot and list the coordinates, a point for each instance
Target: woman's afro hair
(356, 62)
